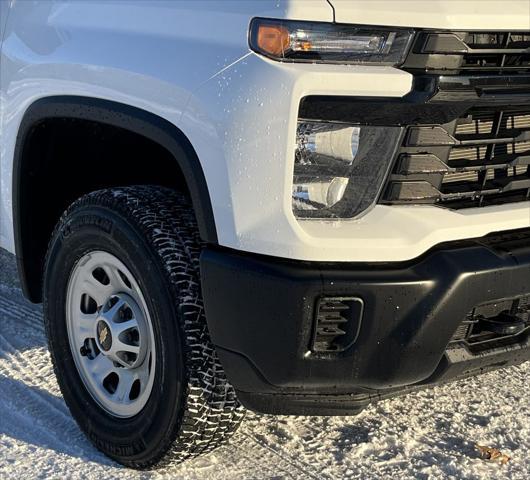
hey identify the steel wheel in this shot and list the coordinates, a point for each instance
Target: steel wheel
(110, 334)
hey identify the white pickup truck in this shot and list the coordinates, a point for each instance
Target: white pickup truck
(299, 207)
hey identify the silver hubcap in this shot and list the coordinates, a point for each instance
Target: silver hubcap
(110, 334)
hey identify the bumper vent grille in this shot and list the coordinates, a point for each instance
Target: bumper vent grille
(338, 323)
(470, 52)
(482, 158)
(495, 325)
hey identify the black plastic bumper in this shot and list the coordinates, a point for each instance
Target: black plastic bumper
(261, 314)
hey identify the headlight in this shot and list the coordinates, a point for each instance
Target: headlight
(340, 169)
(289, 40)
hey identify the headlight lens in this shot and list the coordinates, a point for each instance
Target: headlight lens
(288, 40)
(340, 169)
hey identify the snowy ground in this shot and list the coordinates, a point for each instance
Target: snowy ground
(430, 434)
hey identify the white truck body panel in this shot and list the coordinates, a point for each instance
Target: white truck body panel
(450, 14)
(189, 63)
(147, 54)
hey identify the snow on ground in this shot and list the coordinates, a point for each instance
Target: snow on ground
(429, 434)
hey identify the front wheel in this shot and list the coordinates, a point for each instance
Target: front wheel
(127, 332)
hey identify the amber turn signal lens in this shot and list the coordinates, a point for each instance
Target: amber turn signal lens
(273, 39)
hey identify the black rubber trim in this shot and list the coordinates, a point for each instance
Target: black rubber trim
(119, 115)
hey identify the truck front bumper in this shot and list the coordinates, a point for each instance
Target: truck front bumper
(262, 311)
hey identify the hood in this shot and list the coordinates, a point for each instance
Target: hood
(446, 14)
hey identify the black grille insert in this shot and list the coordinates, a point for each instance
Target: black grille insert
(482, 158)
(470, 52)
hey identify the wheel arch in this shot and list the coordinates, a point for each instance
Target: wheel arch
(132, 119)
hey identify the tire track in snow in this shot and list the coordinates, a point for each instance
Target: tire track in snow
(33, 363)
(283, 456)
(25, 374)
(30, 317)
(276, 463)
(35, 416)
(34, 395)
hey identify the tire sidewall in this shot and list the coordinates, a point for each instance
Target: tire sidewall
(94, 228)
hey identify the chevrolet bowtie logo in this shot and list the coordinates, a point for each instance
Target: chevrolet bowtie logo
(103, 335)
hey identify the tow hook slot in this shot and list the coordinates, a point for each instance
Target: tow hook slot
(495, 325)
(503, 324)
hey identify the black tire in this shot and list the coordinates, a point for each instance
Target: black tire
(192, 407)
